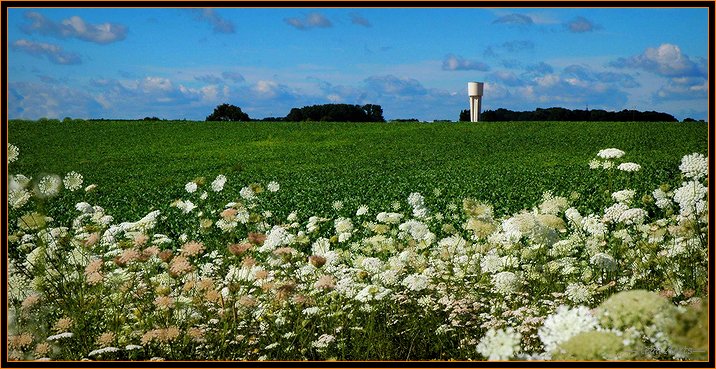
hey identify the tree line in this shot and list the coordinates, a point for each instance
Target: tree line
(562, 114)
(319, 113)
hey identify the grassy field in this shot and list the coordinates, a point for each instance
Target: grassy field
(140, 166)
(408, 241)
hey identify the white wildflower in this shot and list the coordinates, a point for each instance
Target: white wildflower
(624, 196)
(18, 198)
(60, 336)
(337, 205)
(321, 246)
(273, 186)
(218, 184)
(103, 351)
(18, 182)
(629, 167)
(247, 193)
(603, 261)
(612, 213)
(564, 324)
(12, 153)
(362, 210)
(689, 195)
(372, 265)
(632, 216)
(505, 282)
(73, 181)
(593, 225)
(276, 237)
(415, 282)
(694, 166)
(573, 216)
(49, 185)
(323, 341)
(499, 344)
(390, 218)
(610, 153)
(662, 199)
(578, 293)
(191, 187)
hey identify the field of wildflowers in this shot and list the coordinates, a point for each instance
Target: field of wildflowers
(218, 274)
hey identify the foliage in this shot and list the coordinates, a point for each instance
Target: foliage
(337, 113)
(562, 114)
(221, 273)
(136, 164)
(228, 113)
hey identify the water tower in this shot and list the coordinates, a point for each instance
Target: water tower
(474, 90)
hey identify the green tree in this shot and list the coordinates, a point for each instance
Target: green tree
(228, 113)
(464, 116)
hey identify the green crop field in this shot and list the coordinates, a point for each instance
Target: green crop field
(367, 241)
(139, 166)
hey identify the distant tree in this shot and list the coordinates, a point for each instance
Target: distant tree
(272, 119)
(67, 120)
(374, 112)
(464, 115)
(563, 115)
(337, 113)
(688, 120)
(151, 118)
(228, 112)
(295, 115)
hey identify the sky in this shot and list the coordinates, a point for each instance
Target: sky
(180, 63)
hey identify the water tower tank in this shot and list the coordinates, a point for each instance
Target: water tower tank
(474, 88)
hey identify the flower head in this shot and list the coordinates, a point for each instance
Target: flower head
(610, 153)
(218, 184)
(629, 167)
(73, 181)
(191, 187)
(499, 344)
(564, 324)
(12, 153)
(273, 186)
(694, 166)
(49, 185)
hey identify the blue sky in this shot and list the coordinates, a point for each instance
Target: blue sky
(180, 63)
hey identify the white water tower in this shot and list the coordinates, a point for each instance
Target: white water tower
(474, 90)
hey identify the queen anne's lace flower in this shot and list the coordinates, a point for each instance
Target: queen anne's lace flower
(629, 167)
(12, 153)
(505, 282)
(218, 184)
(694, 166)
(610, 153)
(49, 185)
(499, 344)
(273, 186)
(564, 324)
(190, 187)
(73, 181)
(623, 196)
(689, 195)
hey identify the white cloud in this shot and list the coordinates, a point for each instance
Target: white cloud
(312, 20)
(665, 60)
(75, 27)
(220, 25)
(455, 62)
(52, 52)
